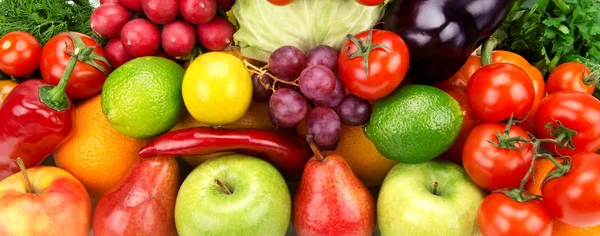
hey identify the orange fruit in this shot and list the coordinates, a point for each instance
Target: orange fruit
(542, 167)
(96, 154)
(362, 156)
(5, 87)
(257, 117)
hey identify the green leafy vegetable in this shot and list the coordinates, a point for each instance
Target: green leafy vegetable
(550, 32)
(304, 24)
(46, 18)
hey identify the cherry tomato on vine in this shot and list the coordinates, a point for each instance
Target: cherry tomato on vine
(86, 80)
(503, 216)
(497, 91)
(492, 167)
(370, 2)
(280, 2)
(576, 111)
(19, 53)
(574, 198)
(571, 76)
(388, 59)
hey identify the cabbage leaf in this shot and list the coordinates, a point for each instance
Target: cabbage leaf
(305, 24)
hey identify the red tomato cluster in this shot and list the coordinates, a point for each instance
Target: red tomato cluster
(21, 55)
(498, 156)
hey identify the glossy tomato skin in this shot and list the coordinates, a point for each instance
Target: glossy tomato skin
(387, 68)
(574, 198)
(570, 77)
(19, 53)
(280, 2)
(86, 80)
(577, 111)
(491, 167)
(502, 216)
(370, 2)
(497, 91)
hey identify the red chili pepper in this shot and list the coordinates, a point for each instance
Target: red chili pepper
(36, 118)
(287, 153)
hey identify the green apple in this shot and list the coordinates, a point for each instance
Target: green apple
(233, 195)
(411, 203)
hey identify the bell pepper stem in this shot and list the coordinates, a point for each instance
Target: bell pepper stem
(58, 92)
(487, 50)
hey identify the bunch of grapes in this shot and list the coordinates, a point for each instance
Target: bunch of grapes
(294, 80)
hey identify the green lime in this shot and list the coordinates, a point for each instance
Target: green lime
(142, 98)
(414, 124)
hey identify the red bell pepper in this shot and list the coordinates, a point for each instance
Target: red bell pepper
(36, 118)
(287, 153)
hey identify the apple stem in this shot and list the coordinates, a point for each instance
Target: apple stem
(435, 187)
(224, 187)
(314, 148)
(25, 176)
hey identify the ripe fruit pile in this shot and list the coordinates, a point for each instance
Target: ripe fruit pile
(313, 76)
(138, 28)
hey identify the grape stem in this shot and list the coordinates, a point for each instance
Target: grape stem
(264, 71)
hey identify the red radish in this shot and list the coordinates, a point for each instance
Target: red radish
(107, 20)
(161, 11)
(225, 4)
(217, 34)
(140, 37)
(198, 11)
(178, 38)
(108, 1)
(115, 53)
(163, 54)
(134, 5)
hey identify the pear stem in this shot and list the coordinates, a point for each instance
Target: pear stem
(435, 187)
(25, 176)
(314, 148)
(224, 187)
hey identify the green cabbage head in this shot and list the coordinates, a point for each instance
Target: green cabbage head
(304, 24)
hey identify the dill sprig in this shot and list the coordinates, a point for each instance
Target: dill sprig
(46, 18)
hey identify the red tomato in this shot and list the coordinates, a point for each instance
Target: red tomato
(86, 80)
(497, 91)
(280, 2)
(502, 216)
(19, 53)
(492, 167)
(387, 67)
(577, 111)
(574, 198)
(570, 77)
(370, 2)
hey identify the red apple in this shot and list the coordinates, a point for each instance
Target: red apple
(44, 200)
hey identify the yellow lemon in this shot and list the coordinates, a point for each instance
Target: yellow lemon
(217, 89)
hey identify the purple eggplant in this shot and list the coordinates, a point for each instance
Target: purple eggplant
(441, 34)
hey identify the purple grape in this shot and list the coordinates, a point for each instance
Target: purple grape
(259, 92)
(317, 82)
(335, 98)
(323, 55)
(324, 125)
(287, 108)
(354, 111)
(287, 62)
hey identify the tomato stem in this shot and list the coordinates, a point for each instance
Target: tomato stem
(364, 49)
(487, 50)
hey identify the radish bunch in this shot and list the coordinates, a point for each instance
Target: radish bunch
(139, 28)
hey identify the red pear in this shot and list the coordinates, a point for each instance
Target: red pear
(331, 200)
(144, 202)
